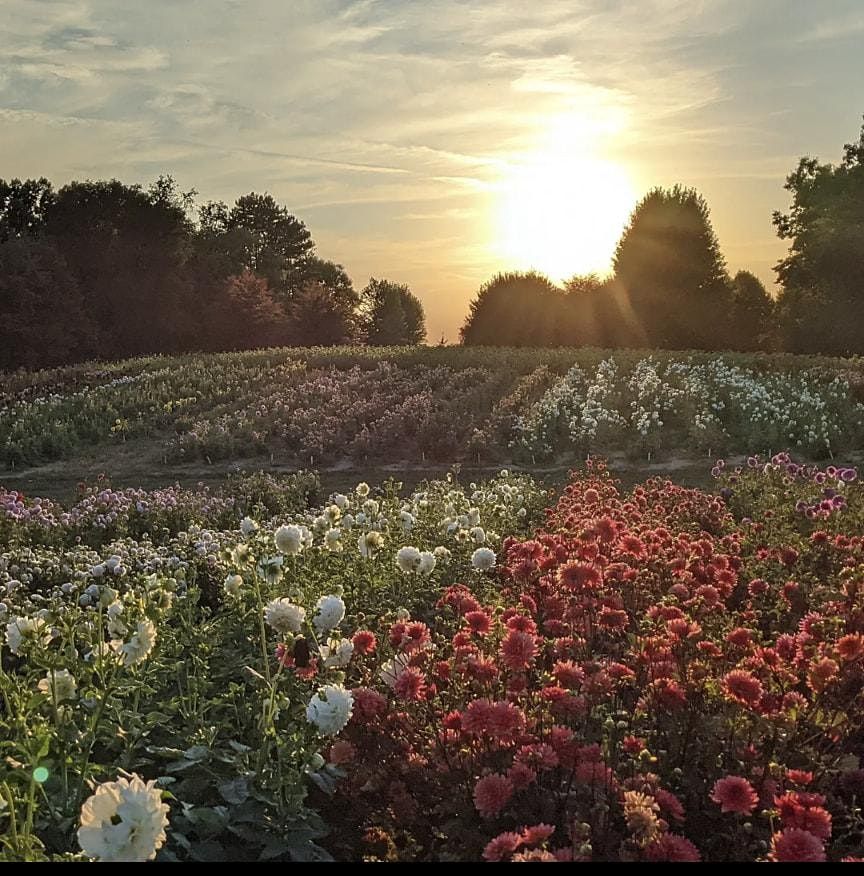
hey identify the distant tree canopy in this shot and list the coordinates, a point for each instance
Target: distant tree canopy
(516, 310)
(101, 269)
(821, 305)
(392, 314)
(42, 317)
(669, 289)
(669, 269)
(752, 314)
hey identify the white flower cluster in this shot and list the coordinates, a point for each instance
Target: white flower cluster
(689, 402)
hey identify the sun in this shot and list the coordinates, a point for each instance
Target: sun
(561, 211)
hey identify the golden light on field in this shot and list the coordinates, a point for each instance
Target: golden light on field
(562, 207)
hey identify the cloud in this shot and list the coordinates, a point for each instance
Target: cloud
(393, 124)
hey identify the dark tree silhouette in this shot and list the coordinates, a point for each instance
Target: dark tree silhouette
(670, 274)
(821, 305)
(752, 316)
(515, 310)
(42, 317)
(127, 249)
(23, 205)
(266, 238)
(320, 316)
(249, 316)
(392, 314)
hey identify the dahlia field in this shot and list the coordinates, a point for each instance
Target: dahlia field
(329, 407)
(465, 672)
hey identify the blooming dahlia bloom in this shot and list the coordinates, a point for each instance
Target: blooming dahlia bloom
(410, 684)
(743, 687)
(579, 577)
(492, 793)
(124, 821)
(288, 540)
(483, 559)
(138, 648)
(233, 585)
(368, 705)
(479, 622)
(821, 674)
(671, 847)
(640, 813)
(284, 616)
(537, 834)
(851, 647)
(502, 846)
(330, 709)
(364, 642)
(59, 684)
(370, 543)
(24, 629)
(427, 563)
(518, 650)
(735, 794)
(329, 613)
(408, 558)
(794, 845)
(805, 811)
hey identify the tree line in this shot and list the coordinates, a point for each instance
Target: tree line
(107, 270)
(670, 287)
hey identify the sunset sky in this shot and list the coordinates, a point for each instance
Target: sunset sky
(437, 142)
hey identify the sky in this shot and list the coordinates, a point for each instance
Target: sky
(437, 142)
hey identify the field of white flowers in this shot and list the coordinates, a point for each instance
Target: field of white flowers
(152, 634)
(704, 405)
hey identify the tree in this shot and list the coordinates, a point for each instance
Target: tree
(127, 249)
(23, 206)
(822, 300)
(247, 315)
(516, 310)
(266, 238)
(586, 322)
(752, 315)
(320, 316)
(42, 318)
(670, 275)
(392, 314)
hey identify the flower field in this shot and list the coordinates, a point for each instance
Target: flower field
(327, 407)
(264, 672)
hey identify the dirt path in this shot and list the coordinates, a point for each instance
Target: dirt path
(139, 463)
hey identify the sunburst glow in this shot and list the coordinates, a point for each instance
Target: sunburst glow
(562, 208)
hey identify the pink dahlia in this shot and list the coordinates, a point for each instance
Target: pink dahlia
(735, 794)
(794, 845)
(492, 793)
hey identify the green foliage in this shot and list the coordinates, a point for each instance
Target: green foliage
(211, 708)
(515, 310)
(753, 320)
(392, 314)
(822, 306)
(670, 272)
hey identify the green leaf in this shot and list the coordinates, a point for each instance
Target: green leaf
(235, 791)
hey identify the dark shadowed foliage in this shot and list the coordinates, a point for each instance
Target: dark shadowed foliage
(517, 310)
(670, 274)
(392, 314)
(821, 305)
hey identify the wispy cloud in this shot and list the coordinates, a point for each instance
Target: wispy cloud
(394, 124)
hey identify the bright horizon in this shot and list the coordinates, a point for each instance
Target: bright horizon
(439, 143)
